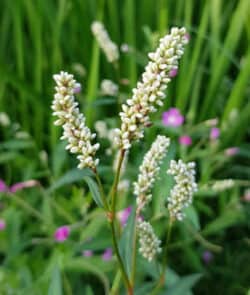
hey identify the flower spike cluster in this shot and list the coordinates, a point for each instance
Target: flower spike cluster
(149, 170)
(75, 131)
(181, 196)
(150, 92)
(149, 243)
(110, 48)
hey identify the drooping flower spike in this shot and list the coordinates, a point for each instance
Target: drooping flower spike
(150, 92)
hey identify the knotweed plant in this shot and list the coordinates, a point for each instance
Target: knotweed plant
(147, 97)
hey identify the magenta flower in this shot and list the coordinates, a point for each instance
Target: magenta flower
(185, 140)
(232, 151)
(87, 253)
(123, 215)
(214, 133)
(2, 224)
(107, 254)
(207, 257)
(3, 186)
(173, 73)
(62, 233)
(172, 118)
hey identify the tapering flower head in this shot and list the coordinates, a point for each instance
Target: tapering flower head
(149, 170)
(149, 243)
(75, 131)
(172, 118)
(150, 92)
(181, 195)
(110, 48)
(108, 87)
(62, 233)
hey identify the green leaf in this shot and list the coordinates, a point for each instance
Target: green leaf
(94, 190)
(229, 218)
(192, 215)
(55, 287)
(145, 288)
(126, 241)
(87, 266)
(183, 285)
(16, 144)
(8, 156)
(71, 176)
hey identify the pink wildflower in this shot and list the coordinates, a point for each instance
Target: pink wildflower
(172, 118)
(231, 151)
(214, 133)
(173, 72)
(2, 224)
(3, 186)
(62, 233)
(123, 215)
(107, 254)
(87, 253)
(185, 140)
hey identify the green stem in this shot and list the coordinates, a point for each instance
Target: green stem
(164, 263)
(116, 283)
(134, 255)
(27, 207)
(116, 181)
(120, 262)
(112, 223)
(138, 210)
(101, 190)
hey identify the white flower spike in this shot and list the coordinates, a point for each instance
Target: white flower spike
(149, 170)
(150, 92)
(75, 131)
(181, 196)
